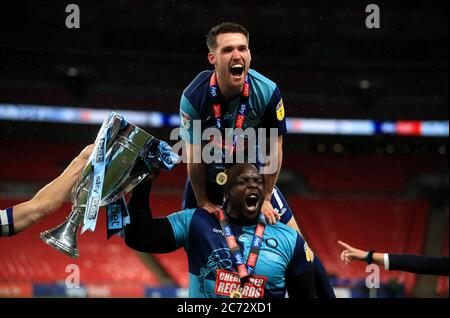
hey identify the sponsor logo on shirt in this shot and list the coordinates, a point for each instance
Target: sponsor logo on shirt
(217, 231)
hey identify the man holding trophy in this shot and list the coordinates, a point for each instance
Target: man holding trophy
(123, 156)
(278, 257)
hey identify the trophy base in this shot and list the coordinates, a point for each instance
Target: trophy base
(58, 245)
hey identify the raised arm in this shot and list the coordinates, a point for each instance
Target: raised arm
(197, 176)
(419, 264)
(145, 233)
(52, 196)
(269, 183)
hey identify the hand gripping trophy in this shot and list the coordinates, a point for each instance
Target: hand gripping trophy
(123, 156)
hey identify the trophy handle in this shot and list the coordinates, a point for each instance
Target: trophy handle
(64, 237)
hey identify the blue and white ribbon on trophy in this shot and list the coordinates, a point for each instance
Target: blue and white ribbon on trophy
(96, 185)
(156, 154)
(164, 157)
(117, 217)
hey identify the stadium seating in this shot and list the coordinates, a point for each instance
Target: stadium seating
(106, 267)
(48, 161)
(383, 225)
(348, 201)
(357, 174)
(321, 57)
(175, 180)
(175, 264)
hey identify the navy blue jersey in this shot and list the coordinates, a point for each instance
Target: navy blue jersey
(266, 110)
(283, 253)
(266, 107)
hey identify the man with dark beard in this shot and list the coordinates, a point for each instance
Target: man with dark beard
(235, 255)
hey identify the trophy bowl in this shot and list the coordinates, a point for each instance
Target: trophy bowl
(125, 166)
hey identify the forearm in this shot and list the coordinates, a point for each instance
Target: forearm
(419, 264)
(49, 198)
(270, 180)
(59, 190)
(145, 233)
(269, 183)
(197, 176)
(378, 258)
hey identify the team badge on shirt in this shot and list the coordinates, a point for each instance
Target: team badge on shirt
(228, 284)
(280, 110)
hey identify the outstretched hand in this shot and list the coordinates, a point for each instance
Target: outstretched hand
(77, 165)
(86, 152)
(271, 215)
(350, 253)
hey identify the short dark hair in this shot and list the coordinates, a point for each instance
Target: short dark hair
(226, 27)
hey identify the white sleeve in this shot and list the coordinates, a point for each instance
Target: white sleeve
(386, 261)
(6, 222)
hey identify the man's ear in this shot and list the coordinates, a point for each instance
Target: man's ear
(212, 58)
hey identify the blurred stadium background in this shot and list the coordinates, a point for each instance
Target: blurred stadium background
(378, 179)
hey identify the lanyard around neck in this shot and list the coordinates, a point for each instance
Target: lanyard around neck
(217, 106)
(244, 270)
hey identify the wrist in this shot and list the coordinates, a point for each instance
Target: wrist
(369, 257)
(143, 187)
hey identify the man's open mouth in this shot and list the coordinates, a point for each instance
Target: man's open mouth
(251, 201)
(237, 69)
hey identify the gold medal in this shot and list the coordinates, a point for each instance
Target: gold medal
(236, 294)
(221, 178)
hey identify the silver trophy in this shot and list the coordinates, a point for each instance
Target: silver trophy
(130, 155)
